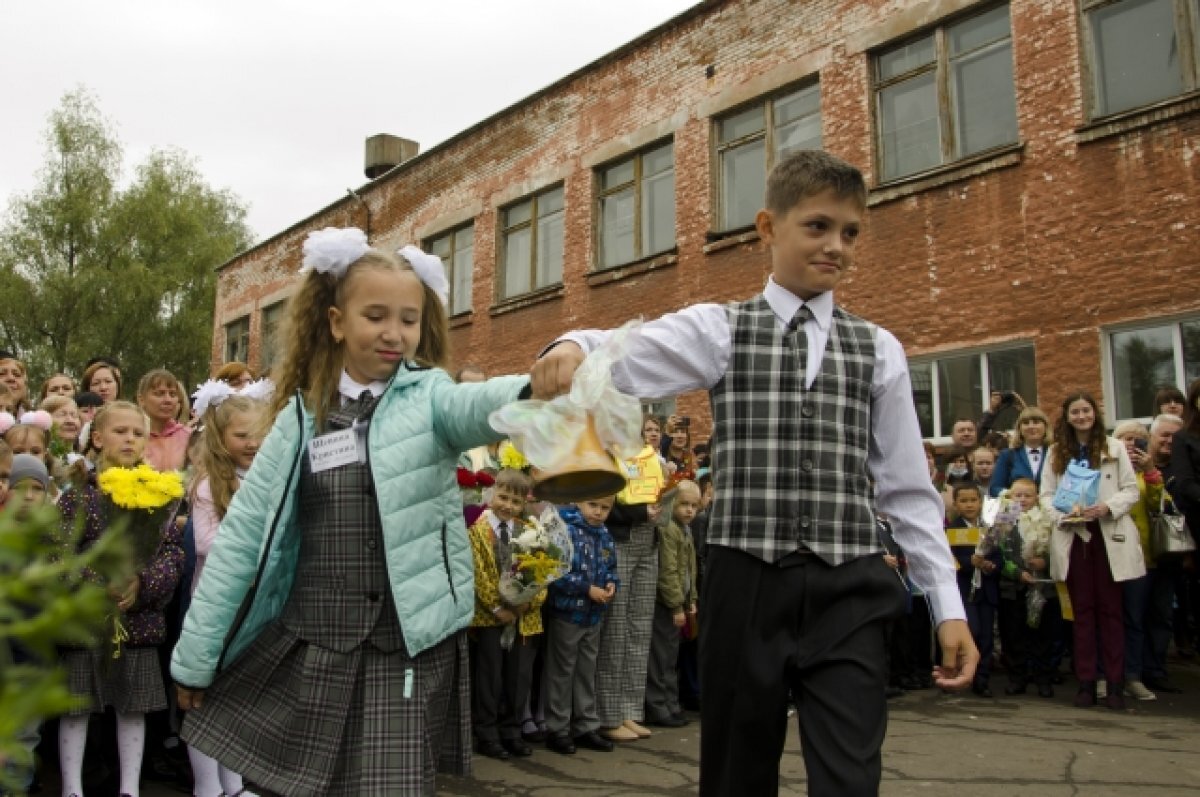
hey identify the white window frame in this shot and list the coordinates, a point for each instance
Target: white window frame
(984, 378)
(1108, 369)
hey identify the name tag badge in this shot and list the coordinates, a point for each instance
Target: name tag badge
(333, 450)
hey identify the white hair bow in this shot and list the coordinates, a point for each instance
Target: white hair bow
(214, 391)
(429, 270)
(333, 249)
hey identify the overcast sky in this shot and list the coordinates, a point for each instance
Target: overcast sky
(274, 98)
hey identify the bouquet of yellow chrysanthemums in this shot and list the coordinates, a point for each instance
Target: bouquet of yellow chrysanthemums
(541, 552)
(139, 501)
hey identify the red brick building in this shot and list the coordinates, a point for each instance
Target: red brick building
(1033, 167)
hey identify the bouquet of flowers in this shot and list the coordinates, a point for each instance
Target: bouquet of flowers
(541, 552)
(1036, 527)
(139, 501)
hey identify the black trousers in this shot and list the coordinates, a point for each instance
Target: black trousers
(500, 684)
(812, 630)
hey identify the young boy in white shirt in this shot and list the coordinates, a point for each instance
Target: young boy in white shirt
(814, 431)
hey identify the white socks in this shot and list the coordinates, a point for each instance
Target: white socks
(211, 779)
(72, 738)
(131, 743)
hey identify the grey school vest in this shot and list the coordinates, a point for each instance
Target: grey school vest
(342, 595)
(790, 463)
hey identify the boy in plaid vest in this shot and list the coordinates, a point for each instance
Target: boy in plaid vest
(814, 432)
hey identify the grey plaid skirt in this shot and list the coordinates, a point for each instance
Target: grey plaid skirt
(297, 719)
(131, 683)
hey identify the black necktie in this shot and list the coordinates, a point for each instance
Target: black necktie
(799, 339)
(504, 538)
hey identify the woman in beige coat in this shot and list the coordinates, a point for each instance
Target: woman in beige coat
(1096, 546)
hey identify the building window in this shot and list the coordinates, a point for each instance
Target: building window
(1139, 51)
(456, 248)
(946, 95)
(237, 341)
(271, 346)
(752, 140)
(1143, 360)
(637, 206)
(532, 231)
(958, 386)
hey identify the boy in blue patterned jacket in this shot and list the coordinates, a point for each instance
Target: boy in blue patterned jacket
(575, 610)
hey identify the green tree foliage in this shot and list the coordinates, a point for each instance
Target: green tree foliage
(89, 267)
(45, 601)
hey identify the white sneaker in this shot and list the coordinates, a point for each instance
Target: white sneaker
(1138, 691)
(1101, 689)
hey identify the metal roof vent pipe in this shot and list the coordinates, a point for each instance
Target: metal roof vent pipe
(385, 152)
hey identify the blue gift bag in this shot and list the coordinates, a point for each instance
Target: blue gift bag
(1079, 487)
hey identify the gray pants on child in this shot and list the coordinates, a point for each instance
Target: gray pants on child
(662, 682)
(569, 677)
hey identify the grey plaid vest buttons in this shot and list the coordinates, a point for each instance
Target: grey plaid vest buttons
(789, 462)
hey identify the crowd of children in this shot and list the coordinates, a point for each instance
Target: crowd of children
(346, 631)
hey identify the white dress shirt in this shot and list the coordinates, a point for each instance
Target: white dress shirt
(690, 350)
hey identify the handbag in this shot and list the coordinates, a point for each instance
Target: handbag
(1079, 488)
(1169, 532)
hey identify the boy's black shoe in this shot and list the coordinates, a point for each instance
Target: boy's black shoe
(491, 749)
(1045, 690)
(1086, 696)
(594, 741)
(560, 743)
(536, 735)
(1161, 685)
(516, 747)
(666, 722)
(682, 718)
(981, 689)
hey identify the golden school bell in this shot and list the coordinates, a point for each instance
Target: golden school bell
(590, 472)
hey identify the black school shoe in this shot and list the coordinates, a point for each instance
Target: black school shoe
(516, 747)
(491, 749)
(594, 741)
(667, 722)
(560, 743)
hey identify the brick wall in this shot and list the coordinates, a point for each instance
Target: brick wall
(1045, 243)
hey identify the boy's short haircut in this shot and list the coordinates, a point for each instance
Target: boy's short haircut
(808, 172)
(997, 440)
(514, 481)
(967, 487)
(88, 399)
(1024, 480)
(690, 486)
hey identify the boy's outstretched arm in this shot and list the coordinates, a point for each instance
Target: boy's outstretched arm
(679, 352)
(551, 375)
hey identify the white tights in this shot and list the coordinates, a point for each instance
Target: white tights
(131, 741)
(210, 778)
